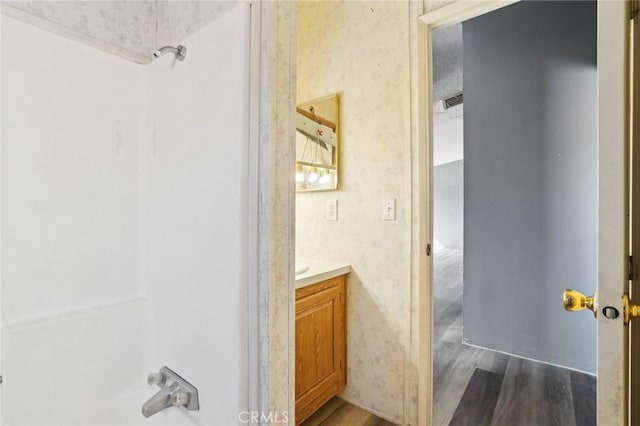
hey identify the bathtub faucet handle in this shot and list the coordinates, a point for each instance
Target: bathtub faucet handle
(156, 379)
(174, 392)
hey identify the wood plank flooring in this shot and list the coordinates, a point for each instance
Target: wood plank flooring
(338, 412)
(478, 387)
(479, 399)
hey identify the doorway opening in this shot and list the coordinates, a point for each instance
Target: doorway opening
(514, 224)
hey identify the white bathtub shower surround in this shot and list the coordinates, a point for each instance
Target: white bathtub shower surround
(193, 195)
(70, 167)
(65, 369)
(123, 198)
(69, 221)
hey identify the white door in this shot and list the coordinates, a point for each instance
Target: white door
(124, 217)
(612, 211)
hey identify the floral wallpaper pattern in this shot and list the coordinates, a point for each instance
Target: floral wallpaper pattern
(361, 50)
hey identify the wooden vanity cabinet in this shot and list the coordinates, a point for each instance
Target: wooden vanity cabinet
(321, 345)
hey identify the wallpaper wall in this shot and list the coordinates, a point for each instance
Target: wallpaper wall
(132, 29)
(361, 51)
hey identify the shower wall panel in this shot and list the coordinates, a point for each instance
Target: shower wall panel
(71, 309)
(193, 215)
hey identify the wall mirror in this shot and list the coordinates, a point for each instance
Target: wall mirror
(317, 145)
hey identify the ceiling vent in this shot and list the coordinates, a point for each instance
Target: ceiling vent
(452, 101)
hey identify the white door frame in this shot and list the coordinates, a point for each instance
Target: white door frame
(271, 283)
(612, 198)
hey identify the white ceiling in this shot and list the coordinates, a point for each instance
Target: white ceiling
(447, 81)
(447, 61)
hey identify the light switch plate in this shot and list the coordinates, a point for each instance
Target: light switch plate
(331, 211)
(389, 209)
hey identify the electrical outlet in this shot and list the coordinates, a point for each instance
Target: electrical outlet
(331, 211)
(389, 209)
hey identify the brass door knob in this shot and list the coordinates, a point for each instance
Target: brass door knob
(631, 309)
(573, 301)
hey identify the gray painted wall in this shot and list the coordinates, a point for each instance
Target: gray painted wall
(530, 179)
(448, 200)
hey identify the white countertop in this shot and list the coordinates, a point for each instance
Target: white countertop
(320, 270)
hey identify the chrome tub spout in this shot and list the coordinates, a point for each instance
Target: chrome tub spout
(174, 391)
(161, 400)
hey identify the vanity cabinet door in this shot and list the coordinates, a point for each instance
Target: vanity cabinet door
(320, 345)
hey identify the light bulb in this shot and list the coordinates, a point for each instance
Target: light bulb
(313, 176)
(299, 173)
(325, 178)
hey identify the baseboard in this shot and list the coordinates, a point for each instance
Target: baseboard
(529, 359)
(370, 410)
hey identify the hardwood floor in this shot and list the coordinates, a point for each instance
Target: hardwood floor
(478, 387)
(337, 412)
